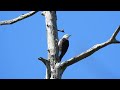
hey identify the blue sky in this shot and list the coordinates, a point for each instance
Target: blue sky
(23, 42)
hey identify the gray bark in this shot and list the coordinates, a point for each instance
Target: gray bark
(52, 40)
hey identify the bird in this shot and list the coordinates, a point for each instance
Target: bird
(63, 45)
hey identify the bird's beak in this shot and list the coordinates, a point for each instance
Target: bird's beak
(69, 35)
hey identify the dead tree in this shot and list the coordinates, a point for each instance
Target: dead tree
(55, 68)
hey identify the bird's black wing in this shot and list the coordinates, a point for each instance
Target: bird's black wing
(65, 45)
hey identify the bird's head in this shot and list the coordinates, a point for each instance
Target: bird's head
(66, 36)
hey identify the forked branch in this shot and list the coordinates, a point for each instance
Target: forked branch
(113, 37)
(43, 60)
(90, 51)
(21, 17)
(47, 64)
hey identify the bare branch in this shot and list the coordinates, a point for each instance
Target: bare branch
(90, 51)
(43, 60)
(21, 17)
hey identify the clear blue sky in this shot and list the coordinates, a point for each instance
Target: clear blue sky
(23, 42)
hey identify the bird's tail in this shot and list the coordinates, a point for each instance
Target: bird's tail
(61, 56)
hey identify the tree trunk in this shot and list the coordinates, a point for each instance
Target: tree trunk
(53, 68)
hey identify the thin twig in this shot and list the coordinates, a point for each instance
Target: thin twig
(61, 30)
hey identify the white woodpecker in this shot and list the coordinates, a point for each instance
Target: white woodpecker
(63, 45)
